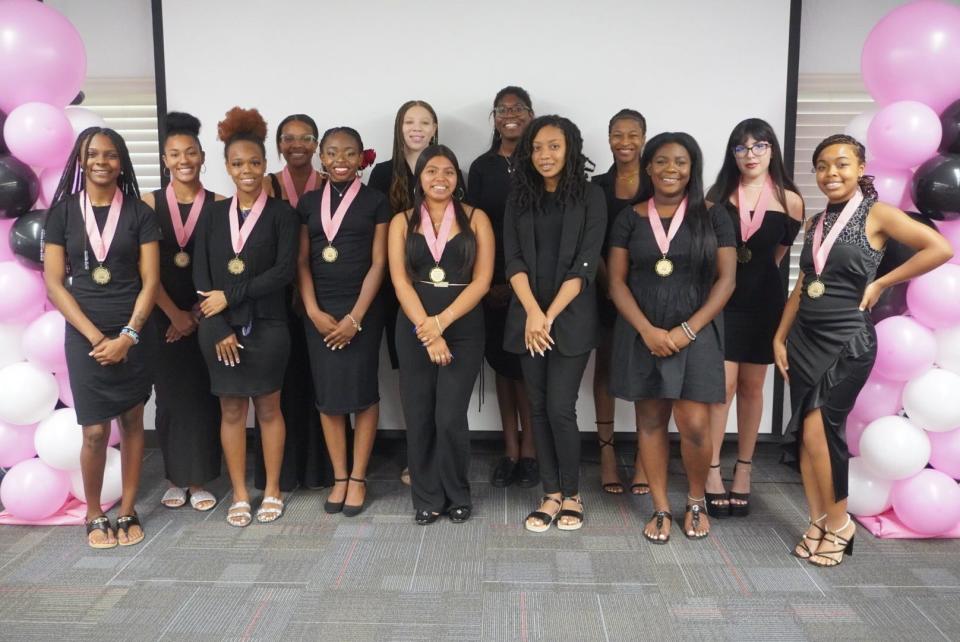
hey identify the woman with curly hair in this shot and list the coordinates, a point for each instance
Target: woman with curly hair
(826, 344)
(245, 256)
(553, 234)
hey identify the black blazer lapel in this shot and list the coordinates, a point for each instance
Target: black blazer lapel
(528, 246)
(572, 221)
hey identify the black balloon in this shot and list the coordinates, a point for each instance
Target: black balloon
(25, 239)
(893, 302)
(3, 144)
(950, 119)
(936, 187)
(896, 253)
(78, 99)
(19, 187)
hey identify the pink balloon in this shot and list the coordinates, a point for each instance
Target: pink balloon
(928, 502)
(43, 342)
(49, 179)
(16, 443)
(66, 392)
(114, 433)
(39, 134)
(905, 349)
(878, 398)
(31, 490)
(904, 134)
(945, 452)
(855, 428)
(907, 204)
(22, 292)
(934, 298)
(6, 224)
(42, 58)
(913, 53)
(892, 183)
(951, 231)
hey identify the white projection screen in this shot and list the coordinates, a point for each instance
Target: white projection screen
(687, 65)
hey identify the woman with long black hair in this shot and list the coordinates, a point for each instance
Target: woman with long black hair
(669, 286)
(553, 234)
(105, 238)
(441, 262)
(188, 416)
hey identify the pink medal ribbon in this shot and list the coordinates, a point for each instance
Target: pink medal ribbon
(239, 234)
(749, 225)
(292, 195)
(821, 247)
(436, 242)
(101, 244)
(183, 231)
(331, 222)
(664, 267)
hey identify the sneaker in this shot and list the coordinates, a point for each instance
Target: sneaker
(503, 474)
(527, 474)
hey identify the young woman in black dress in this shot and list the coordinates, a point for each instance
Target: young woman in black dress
(305, 461)
(490, 181)
(342, 262)
(669, 287)
(627, 132)
(188, 416)
(766, 221)
(441, 262)
(553, 233)
(246, 253)
(108, 238)
(825, 345)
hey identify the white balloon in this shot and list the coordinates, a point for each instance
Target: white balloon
(948, 348)
(27, 393)
(112, 481)
(894, 448)
(932, 400)
(11, 335)
(858, 126)
(58, 440)
(81, 118)
(867, 493)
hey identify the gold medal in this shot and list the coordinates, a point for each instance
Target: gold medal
(100, 275)
(816, 289)
(236, 265)
(329, 254)
(744, 254)
(438, 275)
(181, 259)
(663, 267)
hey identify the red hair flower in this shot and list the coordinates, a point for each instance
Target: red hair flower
(369, 156)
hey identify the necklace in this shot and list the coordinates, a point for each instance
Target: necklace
(509, 160)
(629, 179)
(340, 193)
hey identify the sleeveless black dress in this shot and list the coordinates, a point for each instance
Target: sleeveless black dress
(832, 344)
(752, 314)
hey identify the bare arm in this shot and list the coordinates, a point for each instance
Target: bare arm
(657, 340)
(54, 271)
(783, 330)
(396, 254)
(720, 291)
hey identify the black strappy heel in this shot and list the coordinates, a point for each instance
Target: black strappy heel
(845, 548)
(803, 539)
(740, 510)
(718, 511)
(613, 488)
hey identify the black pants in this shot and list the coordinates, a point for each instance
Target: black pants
(553, 384)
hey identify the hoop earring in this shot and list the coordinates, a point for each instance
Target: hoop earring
(458, 193)
(165, 172)
(203, 168)
(359, 172)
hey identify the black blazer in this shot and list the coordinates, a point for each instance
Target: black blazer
(576, 330)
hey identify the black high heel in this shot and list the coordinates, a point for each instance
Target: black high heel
(845, 548)
(613, 488)
(350, 510)
(335, 507)
(740, 510)
(718, 511)
(803, 539)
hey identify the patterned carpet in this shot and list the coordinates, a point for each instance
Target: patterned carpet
(381, 577)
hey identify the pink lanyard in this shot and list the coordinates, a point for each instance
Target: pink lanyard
(183, 231)
(821, 247)
(749, 225)
(664, 238)
(238, 234)
(292, 195)
(101, 244)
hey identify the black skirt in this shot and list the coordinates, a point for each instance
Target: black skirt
(263, 360)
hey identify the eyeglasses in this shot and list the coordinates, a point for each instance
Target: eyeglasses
(306, 139)
(758, 149)
(510, 110)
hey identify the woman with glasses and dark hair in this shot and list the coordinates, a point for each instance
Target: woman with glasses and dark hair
(297, 136)
(766, 211)
(441, 262)
(489, 185)
(672, 267)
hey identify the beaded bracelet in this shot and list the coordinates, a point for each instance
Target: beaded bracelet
(356, 324)
(688, 331)
(130, 332)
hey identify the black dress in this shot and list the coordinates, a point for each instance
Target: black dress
(435, 399)
(752, 314)
(832, 344)
(615, 205)
(188, 416)
(345, 381)
(256, 310)
(102, 393)
(696, 372)
(490, 182)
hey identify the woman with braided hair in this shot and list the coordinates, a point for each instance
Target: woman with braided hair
(105, 238)
(825, 345)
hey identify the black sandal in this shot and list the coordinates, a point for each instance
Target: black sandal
(124, 522)
(719, 511)
(613, 488)
(544, 517)
(101, 523)
(460, 514)
(569, 512)
(740, 510)
(802, 544)
(843, 547)
(424, 517)
(350, 510)
(336, 507)
(696, 512)
(638, 488)
(660, 514)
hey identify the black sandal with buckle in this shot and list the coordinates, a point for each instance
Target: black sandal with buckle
(102, 524)
(124, 522)
(660, 515)
(696, 513)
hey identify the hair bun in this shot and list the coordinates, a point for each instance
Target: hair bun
(178, 122)
(242, 122)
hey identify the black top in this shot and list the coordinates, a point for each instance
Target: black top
(177, 281)
(107, 306)
(547, 227)
(488, 186)
(353, 241)
(382, 174)
(608, 181)
(581, 237)
(269, 255)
